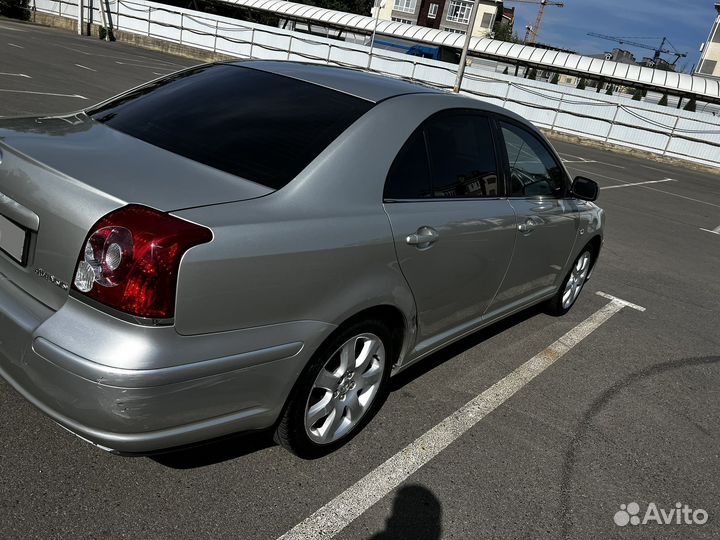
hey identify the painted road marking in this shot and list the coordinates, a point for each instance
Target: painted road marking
(16, 75)
(42, 93)
(653, 189)
(354, 501)
(11, 28)
(716, 230)
(131, 64)
(640, 183)
(16, 46)
(85, 67)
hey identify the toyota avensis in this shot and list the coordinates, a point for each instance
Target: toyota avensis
(251, 245)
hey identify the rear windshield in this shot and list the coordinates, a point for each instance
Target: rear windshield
(253, 124)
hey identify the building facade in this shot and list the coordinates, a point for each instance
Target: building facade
(449, 15)
(710, 58)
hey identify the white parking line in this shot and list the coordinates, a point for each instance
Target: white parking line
(42, 93)
(85, 67)
(16, 75)
(132, 64)
(653, 189)
(354, 501)
(716, 230)
(640, 183)
(16, 46)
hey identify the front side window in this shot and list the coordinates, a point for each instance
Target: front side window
(459, 11)
(534, 172)
(407, 6)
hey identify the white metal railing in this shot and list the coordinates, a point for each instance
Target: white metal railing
(612, 119)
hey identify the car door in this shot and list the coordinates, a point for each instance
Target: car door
(547, 222)
(453, 229)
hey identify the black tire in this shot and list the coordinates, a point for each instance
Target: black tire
(555, 306)
(291, 432)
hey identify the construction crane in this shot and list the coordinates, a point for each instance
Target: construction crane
(533, 31)
(658, 50)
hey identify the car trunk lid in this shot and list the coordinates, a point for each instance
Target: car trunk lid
(60, 175)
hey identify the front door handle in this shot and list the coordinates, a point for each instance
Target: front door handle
(423, 238)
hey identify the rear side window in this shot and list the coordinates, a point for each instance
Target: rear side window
(462, 156)
(260, 126)
(451, 155)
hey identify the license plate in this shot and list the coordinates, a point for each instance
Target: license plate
(13, 240)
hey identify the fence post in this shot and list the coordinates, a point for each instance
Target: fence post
(412, 75)
(507, 93)
(617, 110)
(671, 135)
(182, 26)
(217, 29)
(252, 42)
(557, 112)
(149, 17)
(289, 48)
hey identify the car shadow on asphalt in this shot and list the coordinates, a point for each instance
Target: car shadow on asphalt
(235, 446)
(416, 515)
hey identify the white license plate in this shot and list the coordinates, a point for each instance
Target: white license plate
(13, 240)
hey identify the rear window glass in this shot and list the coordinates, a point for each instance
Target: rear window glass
(253, 124)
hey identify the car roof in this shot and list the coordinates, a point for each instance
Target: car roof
(368, 86)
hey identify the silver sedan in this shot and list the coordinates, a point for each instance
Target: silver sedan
(252, 245)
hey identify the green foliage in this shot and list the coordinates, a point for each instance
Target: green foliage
(663, 100)
(555, 79)
(691, 105)
(582, 84)
(504, 32)
(15, 9)
(637, 95)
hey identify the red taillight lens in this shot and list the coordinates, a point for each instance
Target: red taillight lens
(131, 257)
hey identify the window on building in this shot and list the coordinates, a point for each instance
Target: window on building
(459, 11)
(406, 6)
(432, 12)
(453, 30)
(708, 67)
(401, 20)
(716, 34)
(487, 20)
(533, 170)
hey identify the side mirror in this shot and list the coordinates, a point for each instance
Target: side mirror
(584, 188)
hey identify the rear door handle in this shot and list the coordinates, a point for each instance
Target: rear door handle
(423, 238)
(528, 225)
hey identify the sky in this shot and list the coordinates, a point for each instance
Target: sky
(686, 23)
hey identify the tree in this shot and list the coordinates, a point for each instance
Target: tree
(555, 78)
(15, 9)
(637, 95)
(663, 100)
(691, 105)
(504, 32)
(582, 84)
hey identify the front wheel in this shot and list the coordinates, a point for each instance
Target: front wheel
(343, 387)
(570, 289)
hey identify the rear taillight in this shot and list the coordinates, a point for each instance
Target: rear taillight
(131, 257)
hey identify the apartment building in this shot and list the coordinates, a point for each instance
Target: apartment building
(449, 15)
(710, 59)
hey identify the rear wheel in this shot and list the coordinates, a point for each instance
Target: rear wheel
(343, 387)
(570, 289)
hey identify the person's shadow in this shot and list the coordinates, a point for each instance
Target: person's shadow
(416, 515)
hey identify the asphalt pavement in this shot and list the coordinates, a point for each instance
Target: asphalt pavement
(629, 414)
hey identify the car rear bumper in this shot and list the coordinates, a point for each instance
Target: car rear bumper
(159, 393)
